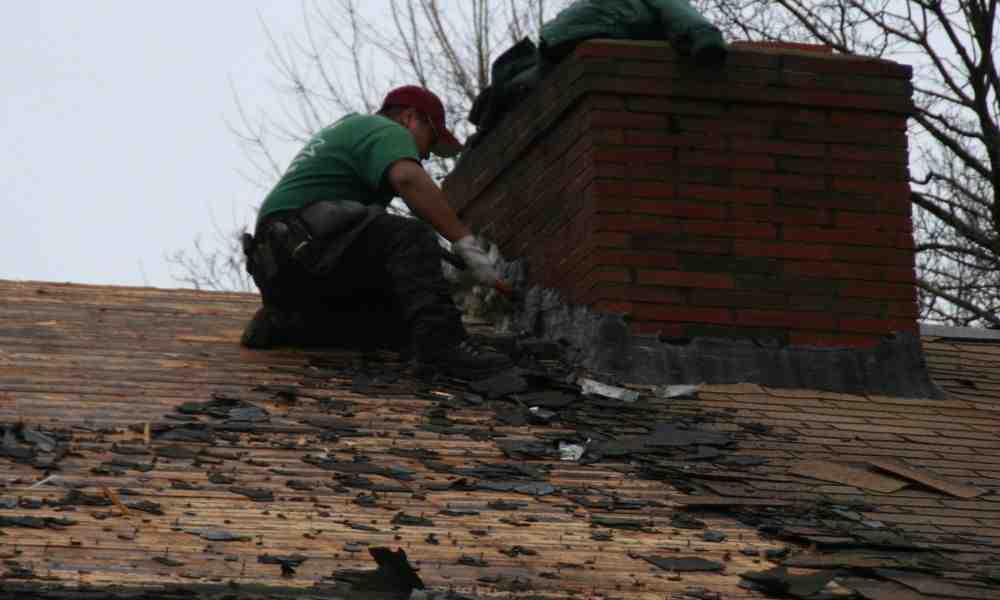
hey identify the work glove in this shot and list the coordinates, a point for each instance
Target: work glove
(480, 263)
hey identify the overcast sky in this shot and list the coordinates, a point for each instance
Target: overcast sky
(116, 148)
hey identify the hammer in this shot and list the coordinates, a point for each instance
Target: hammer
(456, 261)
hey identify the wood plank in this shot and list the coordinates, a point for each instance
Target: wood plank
(847, 475)
(924, 477)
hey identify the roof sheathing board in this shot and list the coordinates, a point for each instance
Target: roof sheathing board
(130, 373)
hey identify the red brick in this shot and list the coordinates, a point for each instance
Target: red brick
(782, 250)
(610, 170)
(737, 298)
(778, 180)
(609, 239)
(785, 318)
(639, 293)
(687, 210)
(875, 186)
(780, 148)
(781, 214)
(723, 126)
(633, 156)
(607, 137)
(668, 105)
(865, 289)
(727, 160)
(713, 246)
(815, 48)
(633, 259)
(858, 237)
(854, 325)
(904, 310)
(848, 65)
(791, 114)
(805, 166)
(686, 279)
(651, 189)
(605, 187)
(834, 270)
(832, 340)
(603, 101)
(842, 135)
(607, 306)
(861, 152)
(887, 222)
(731, 229)
(896, 104)
(680, 314)
(627, 120)
(731, 195)
(636, 224)
(662, 139)
(875, 256)
(867, 120)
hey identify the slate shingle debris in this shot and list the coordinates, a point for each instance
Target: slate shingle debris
(394, 576)
(722, 456)
(288, 564)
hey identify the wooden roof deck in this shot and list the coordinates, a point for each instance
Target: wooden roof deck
(94, 365)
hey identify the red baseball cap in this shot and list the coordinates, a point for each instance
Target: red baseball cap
(427, 102)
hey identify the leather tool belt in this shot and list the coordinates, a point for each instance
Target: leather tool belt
(313, 237)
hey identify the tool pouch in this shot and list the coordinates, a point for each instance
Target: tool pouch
(262, 262)
(332, 226)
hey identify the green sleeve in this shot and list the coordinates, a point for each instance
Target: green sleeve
(384, 146)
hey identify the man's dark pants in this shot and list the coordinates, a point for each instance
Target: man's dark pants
(386, 290)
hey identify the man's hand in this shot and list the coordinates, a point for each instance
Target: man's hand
(481, 263)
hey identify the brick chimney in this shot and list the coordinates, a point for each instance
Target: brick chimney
(767, 199)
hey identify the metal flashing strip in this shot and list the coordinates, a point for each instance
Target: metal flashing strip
(960, 333)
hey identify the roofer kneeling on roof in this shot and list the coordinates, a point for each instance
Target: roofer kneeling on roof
(334, 268)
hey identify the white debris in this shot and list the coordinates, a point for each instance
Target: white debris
(53, 479)
(676, 391)
(596, 388)
(571, 452)
(542, 414)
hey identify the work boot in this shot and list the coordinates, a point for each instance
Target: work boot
(467, 360)
(268, 328)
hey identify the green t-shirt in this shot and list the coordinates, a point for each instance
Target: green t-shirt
(345, 161)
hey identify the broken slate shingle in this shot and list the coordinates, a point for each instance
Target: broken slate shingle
(714, 536)
(550, 399)
(506, 505)
(394, 576)
(500, 385)
(617, 522)
(255, 494)
(176, 452)
(454, 512)
(168, 562)
(778, 581)
(219, 535)
(472, 561)
(146, 506)
(410, 520)
(36, 522)
(122, 463)
(673, 435)
(686, 521)
(531, 488)
(682, 564)
(288, 563)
